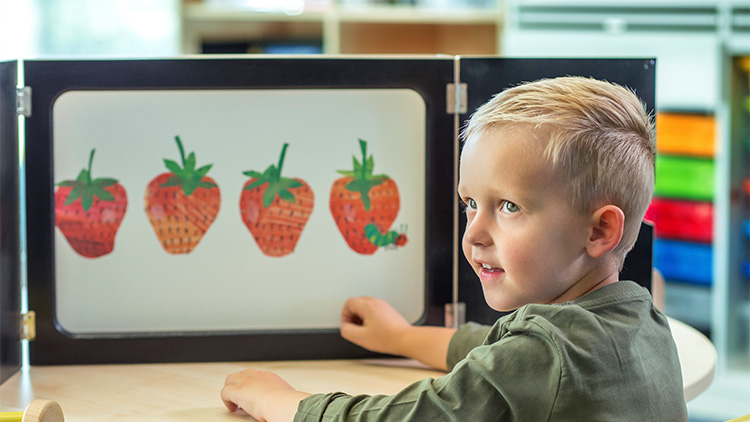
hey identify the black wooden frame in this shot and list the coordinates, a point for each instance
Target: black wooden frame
(49, 79)
(10, 236)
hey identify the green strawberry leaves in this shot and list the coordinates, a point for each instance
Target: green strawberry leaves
(364, 180)
(187, 176)
(86, 188)
(277, 185)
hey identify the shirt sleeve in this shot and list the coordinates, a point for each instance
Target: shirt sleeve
(466, 338)
(493, 381)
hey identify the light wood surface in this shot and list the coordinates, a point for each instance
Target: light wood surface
(190, 392)
(697, 358)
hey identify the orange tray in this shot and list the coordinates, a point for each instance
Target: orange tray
(685, 134)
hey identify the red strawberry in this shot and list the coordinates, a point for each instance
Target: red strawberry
(90, 224)
(275, 209)
(361, 199)
(182, 204)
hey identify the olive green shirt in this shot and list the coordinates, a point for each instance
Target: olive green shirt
(606, 356)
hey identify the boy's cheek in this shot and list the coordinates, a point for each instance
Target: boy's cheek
(466, 248)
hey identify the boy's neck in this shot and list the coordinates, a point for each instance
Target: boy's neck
(613, 278)
(587, 285)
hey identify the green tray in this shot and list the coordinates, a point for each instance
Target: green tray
(684, 177)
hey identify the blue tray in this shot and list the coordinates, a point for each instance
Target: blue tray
(684, 261)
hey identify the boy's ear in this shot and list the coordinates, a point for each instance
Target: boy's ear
(607, 225)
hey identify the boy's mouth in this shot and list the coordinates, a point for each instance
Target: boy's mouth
(489, 268)
(489, 274)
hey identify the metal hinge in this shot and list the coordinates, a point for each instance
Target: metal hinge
(23, 101)
(456, 98)
(28, 326)
(455, 314)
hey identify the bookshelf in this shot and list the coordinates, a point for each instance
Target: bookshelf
(343, 29)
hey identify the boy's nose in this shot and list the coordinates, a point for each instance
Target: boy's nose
(476, 233)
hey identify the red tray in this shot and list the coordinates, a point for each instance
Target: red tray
(683, 220)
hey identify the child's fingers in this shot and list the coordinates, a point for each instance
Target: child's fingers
(361, 336)
(352, 319)
(225, 398)
(230, 405)
(355, 310)
(231, 391)
(349, 331)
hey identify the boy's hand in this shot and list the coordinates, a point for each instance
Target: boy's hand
(373, 324)
(263, 395)
(377, 326)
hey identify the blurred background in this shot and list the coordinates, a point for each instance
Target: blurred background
(702, 49)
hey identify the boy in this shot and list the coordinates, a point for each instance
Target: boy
(556, 176)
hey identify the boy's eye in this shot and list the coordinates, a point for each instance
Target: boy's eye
(468, 204)
(509, 207)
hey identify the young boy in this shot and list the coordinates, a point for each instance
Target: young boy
(556, 176)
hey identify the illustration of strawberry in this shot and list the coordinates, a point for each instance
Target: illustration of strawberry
(182, 204)
(89, 211)
(275, 209)
(364, 205)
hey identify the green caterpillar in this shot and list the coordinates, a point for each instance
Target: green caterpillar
(389, 238)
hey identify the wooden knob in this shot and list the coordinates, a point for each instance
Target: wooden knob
(43, 411)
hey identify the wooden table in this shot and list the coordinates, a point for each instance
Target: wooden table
(190, 392)
(697, 358)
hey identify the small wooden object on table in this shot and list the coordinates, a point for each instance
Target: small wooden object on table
(36, 411)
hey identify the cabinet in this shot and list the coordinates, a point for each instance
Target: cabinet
(731, 293)
(683, 213)
(341, 28)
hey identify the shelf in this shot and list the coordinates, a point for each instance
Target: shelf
(198, 12)
(212, 12)
(349, 29)
(417, 15)
(388, 38)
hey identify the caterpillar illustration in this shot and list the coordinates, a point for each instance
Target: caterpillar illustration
(391, 238)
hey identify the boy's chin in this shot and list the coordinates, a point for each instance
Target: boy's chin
(501, 305)
(504, 309)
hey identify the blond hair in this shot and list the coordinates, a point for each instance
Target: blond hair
(599, 138)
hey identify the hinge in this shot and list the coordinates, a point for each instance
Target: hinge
(455, 314)
(23, 101)
(456, 98)
(28, 326)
